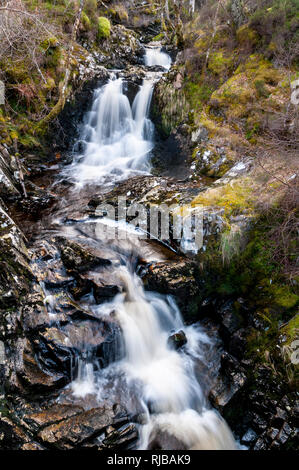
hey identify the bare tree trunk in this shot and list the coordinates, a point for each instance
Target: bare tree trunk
(192, 7)
(212, 38)
(63, 88)
(237, 11)
(165, 19)
(177, 6)
(166, 10)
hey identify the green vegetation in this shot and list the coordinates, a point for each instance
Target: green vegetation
(276, 22)
(235, 198)
(85, 21)
(119, 13)
(104, 28)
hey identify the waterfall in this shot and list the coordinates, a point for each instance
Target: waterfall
(117, 139)
(85, 380)
(155, 56)
(141, 108)
(168, 387)
(147, 373)
(161, 379)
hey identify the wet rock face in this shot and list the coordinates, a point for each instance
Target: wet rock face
(14, 268)
(60, 330)
(177, 340)
(9, 185)
(21, 195)
(262, 422)
(28, 373)
(171, 156)
(83, 428)
(53, 414)
(11, 435)
(161, 439)
(177, 279)
(76, 259)
(69, 427)
(123, 438)
(122, 48)
(41, 335)
(65, 132)
(66, 427)
(247, 393)
(231, 380)
(58, 348)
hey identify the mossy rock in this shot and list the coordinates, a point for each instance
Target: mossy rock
(259, 68)
(235, 198)
(291, 330)
(85, 21)
(104, 28)
(284, 297)
(210, 163)
(237, 90)
(48, 43)
(159, 37)
(219, 64)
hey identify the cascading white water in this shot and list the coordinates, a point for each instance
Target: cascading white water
(116, 138)
(155, 56)
(85, 380)
(162, 380)
(168, 379)
(152, 377)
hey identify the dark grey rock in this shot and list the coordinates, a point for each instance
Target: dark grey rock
(249, 437)
(177, 340)
(75, 430)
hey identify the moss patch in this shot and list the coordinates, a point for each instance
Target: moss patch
(104, 28)
(234, 198)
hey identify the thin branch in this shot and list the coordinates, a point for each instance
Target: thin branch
(30, 15)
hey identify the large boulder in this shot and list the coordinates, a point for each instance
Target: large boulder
(178, 278)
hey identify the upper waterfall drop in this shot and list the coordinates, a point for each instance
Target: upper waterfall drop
(141, 109)
(155, 56)
(116, 138)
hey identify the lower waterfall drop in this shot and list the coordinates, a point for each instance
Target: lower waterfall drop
(153, 378)
(174, 402)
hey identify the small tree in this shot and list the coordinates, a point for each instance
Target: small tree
(63, 88)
